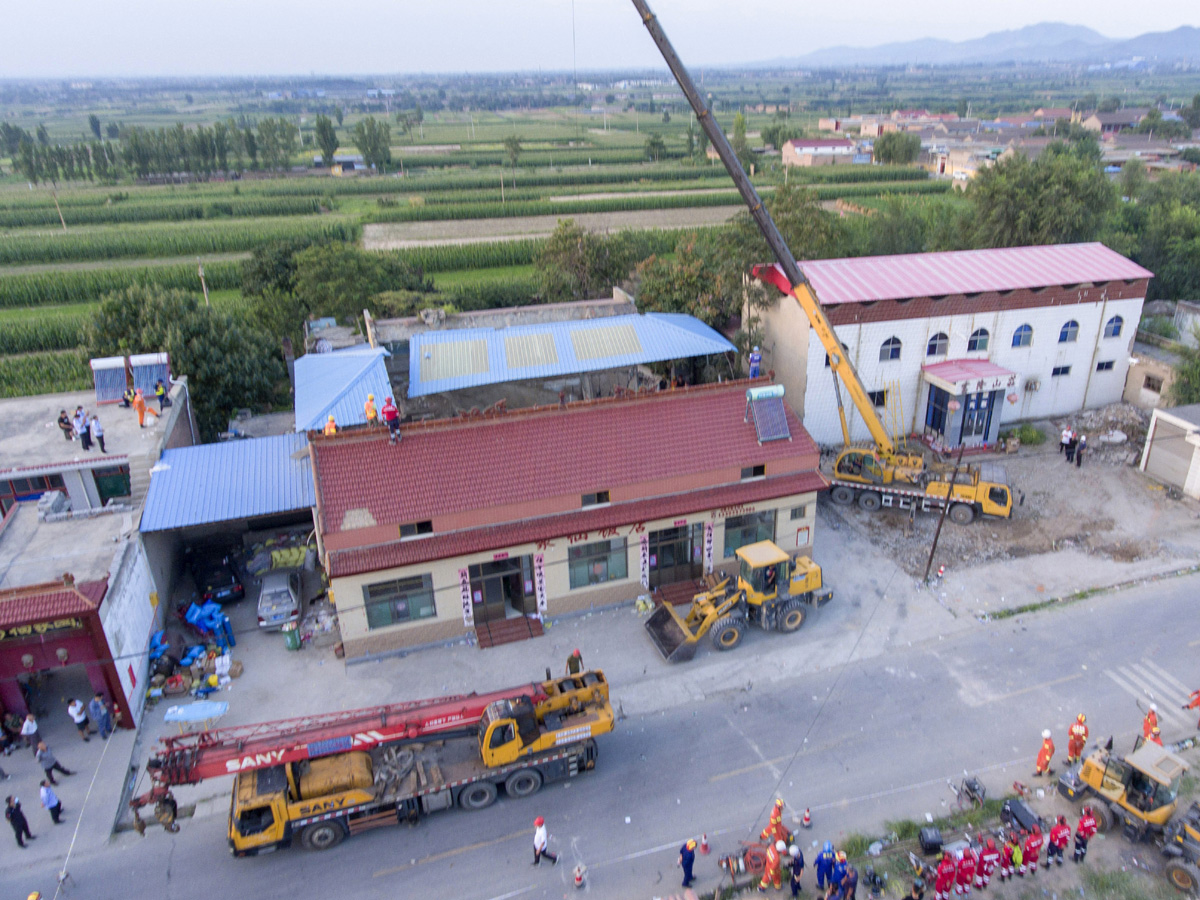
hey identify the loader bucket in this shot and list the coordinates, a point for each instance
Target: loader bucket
(670, 634)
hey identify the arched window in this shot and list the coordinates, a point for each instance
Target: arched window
(1112, 328)
(978, 341)
(939, 345)
(890, 349)
(1069, 333)
(1023, 336)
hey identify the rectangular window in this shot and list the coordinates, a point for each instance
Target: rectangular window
(748, 529)
(878, 398)
(1060, 370)
(753, 472)
(597, 499)
(799, 512)
(402, 600)
(597, 563)
(412, 529)
(1153, 383)
(1105, 366)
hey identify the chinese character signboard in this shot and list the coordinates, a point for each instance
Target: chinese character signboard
(39, 628)
(644, 544)
(708, 548)
(464, 587)
(539, 582)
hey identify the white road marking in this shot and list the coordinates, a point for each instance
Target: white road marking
(774, 770)
(1168, 677)
(1139, 692)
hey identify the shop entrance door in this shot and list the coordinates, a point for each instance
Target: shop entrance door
(676, 554)
(977, 417)
(502, 588)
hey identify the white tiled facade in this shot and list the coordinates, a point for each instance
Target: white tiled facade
(1082, 387)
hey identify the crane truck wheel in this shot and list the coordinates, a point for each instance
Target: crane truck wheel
(962, 514)
(727, 633)
(792, 617)
(322, 835)
(1183, 875)
(479, 795)
(842, 495)
(523, 783)
(870, 501)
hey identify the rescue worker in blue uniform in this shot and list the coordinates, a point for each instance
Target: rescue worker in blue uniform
(687, 859)
(824, 865)
(839, 869)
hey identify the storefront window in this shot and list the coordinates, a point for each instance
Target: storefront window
(597, 563)
(748, 529)
(402, 600)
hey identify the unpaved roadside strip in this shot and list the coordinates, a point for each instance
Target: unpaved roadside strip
(141, 262)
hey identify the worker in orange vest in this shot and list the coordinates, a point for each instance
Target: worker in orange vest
(772, 873)
(139, 406)
(1155, 736)
(1194, 703)
(330, 426)
(1076, 739)
(774, 830)
(1045, 756)
(369, 410)
(1151, 721)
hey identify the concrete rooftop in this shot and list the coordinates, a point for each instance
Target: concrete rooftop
(32, 552)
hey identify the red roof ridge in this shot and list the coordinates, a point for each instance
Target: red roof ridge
(91, 592)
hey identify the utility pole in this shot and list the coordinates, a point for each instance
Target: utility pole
(945, 509)
(203, 283)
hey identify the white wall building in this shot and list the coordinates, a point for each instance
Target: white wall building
(953, 345)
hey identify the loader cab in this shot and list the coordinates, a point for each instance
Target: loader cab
(1145, 783)
(763, 568)
(506, 729)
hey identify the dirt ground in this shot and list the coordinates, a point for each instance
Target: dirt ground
(1106, 507)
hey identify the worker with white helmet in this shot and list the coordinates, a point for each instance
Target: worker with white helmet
(797, 868)
(1045, 756)
(1151, 721)
(772, 873)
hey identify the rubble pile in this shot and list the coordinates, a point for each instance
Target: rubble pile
(1115, 433)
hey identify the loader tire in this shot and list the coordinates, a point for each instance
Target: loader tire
(1184, 876)
(962, 514)
(842, 495)
(322, 835)
(1104, 817)
(869, 501)
(791, 617)
(727, 633)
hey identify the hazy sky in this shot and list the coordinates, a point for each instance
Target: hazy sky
(239, 37)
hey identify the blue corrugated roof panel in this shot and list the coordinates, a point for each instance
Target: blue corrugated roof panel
(234, 480)
(337, 384)
(469, 357)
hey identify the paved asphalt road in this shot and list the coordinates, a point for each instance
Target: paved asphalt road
(859, 742)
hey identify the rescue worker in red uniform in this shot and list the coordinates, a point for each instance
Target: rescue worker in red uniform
(966, 873)
(1155, 736)
(1045, 756)
(1193, 703)
(772, 872)
(774, 831)
(943, 882)
(1083, 833)
(1151, 721)
(1059, 835)
(1006, 858)
(1032, 849)
(989, 859)
(1076, 739)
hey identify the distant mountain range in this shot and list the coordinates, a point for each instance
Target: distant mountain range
(1045, 42)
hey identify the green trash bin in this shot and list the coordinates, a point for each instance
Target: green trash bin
(291, 636)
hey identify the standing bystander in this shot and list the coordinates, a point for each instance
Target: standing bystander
(51, 802)
(29, 731)
(16, 818)
(78, 714)
(540, 842)
(49, 762)
(1064, 440)
(66, 425)
(98, 710)
(97, 433)
(1079, 449)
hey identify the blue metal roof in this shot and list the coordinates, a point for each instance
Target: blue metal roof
(234, 480)
(468, 357)
(337, 384)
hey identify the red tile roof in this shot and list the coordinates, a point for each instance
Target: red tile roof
(54, 600)
(443, 546)
(527, 456)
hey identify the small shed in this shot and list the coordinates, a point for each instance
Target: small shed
(109, 375)
(1170, 454)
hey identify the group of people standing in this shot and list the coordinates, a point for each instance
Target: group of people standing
(82, 427)
(1073, 445)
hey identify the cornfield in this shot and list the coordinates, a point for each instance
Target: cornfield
(51, 333)
(87, 285)
(28, 374)
(156, 211)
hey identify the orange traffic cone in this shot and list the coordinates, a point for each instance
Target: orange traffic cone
(704, 848)
(580, 871)
(806, 822)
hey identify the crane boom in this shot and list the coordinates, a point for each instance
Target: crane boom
(792, 280)
(191, 758)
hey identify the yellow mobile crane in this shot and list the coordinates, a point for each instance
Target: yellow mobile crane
(883, 474)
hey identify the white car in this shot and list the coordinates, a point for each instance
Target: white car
(279, 600)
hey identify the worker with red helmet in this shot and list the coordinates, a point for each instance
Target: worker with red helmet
(989, 859)
(391, 418)
(1007, 869)
(1059, 835)
(772, 873)
(1045, 756)
(1151, 721)
(1076, 739)
(1083, 833)
(1155, 736)
(1193, 703)
(575, 662)
(943, 882)
(1033, 848)
(965, 877)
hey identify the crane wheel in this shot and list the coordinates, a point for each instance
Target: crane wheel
(1183, 875)
(962, 514)
(522, 783)
(842, 495)
(727, 633)
(479, 795)
(792, 617)
(869, 501)
(322, 835)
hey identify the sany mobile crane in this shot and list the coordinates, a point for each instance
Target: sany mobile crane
(882, 474)
(317, 779)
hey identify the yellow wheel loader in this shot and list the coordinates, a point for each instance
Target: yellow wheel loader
(772, 591)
